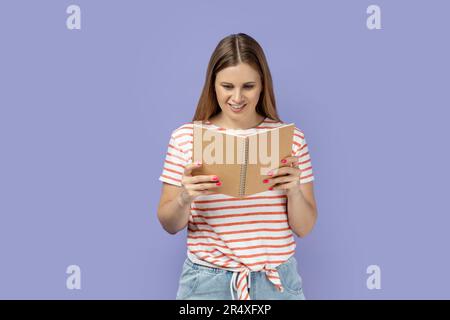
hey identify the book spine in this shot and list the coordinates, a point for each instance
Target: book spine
(243, 173)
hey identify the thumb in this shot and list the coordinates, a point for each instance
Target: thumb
(188, 169)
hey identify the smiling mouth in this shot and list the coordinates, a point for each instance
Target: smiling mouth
(237, 107)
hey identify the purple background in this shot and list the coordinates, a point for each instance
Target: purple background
(86, 116)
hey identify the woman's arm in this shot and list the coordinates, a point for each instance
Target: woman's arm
(175, 204)
(174, 208)
(302, 210)
(301, 205)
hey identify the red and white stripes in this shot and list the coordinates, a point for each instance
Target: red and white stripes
(240, 235)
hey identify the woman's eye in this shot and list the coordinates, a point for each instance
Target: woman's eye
(246, 87)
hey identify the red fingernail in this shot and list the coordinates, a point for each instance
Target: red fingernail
(265, 181)
(283, 161)
(215, 178)
(219, 183)
(270, 188)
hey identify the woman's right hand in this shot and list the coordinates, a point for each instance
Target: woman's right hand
(194, 186)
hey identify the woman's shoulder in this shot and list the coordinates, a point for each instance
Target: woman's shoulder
(299, 135)
(298, 132)
(183, 130)
(299, 139)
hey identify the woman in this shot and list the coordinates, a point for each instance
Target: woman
(241, 248)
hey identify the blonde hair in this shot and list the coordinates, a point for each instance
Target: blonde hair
(231, 51)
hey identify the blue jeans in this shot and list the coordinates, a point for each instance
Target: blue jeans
(199, 282)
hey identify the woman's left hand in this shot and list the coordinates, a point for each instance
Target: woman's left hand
(286, 177)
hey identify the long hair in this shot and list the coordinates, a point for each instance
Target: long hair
(232, 50)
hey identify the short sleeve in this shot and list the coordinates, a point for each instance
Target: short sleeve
(300, 150)
(174, 163)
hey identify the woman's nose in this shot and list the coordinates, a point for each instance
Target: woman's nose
(236, 98)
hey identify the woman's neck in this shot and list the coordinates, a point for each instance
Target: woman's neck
(227, 123)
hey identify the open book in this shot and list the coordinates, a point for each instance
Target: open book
(241, 162)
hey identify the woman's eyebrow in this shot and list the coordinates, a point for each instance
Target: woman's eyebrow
(250, 82)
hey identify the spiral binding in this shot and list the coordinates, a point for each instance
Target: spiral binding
(243, 173)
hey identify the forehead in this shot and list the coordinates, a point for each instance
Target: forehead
(240, 73)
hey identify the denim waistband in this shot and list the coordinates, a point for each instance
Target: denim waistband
(200, 267)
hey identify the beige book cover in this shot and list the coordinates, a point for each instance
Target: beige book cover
(241, 162)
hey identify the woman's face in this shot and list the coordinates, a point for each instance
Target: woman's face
(238, 86)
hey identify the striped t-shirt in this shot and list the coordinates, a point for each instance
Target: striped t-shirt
(239, 235)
